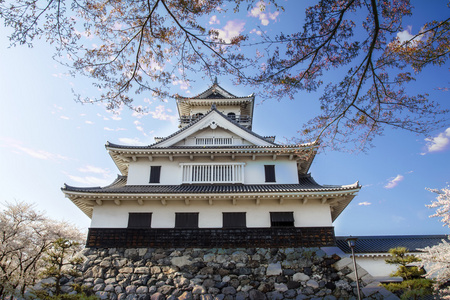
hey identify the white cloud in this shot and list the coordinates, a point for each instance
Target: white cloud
(259, 11)
(108, 129)
(36, 153)
(90, 180)
(214, 20)
(131, 142)
(258, 32)
(365, 203)
(438, 143)
(64, 118)
(160, 113)
(89, 122)
(405, 35)
(93, 169)
(231, 30)
(394, 182)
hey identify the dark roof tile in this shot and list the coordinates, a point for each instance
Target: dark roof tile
(382, 244)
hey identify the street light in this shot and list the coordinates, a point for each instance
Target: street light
(351, 243)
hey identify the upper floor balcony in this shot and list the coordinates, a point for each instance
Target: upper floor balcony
(241, 119)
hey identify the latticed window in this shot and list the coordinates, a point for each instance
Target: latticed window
(139, 220)
(282, 219)
(186, 220)
(234, 220)
(212, 172)
(213, 141)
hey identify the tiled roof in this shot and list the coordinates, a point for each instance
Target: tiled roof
(206, 94)
(306, 184)
(382, 244)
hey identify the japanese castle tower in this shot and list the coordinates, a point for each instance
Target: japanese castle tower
(213, 183)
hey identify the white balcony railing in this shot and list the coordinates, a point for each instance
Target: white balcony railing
(213, 141)
(212, 172)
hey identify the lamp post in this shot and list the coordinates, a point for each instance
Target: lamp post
(351, 243)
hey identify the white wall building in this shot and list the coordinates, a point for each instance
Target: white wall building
(213, 183)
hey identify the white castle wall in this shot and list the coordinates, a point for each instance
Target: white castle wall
(285, 169)
(311, 214)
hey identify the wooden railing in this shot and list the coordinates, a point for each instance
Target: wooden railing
(212, 172)
(239, 119)
(213, 141)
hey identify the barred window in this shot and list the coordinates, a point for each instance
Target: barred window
(282, 219)
(139, 220)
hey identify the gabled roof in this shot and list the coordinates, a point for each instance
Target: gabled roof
(215, 94)
(382, 244)
(215, 91)
(307, 188)
(213, 110)
(121, 154)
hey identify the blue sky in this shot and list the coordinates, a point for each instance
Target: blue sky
(46, 139)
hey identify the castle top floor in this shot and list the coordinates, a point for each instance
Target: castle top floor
(238, 109)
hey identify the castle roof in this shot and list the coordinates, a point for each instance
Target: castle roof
(307, 188)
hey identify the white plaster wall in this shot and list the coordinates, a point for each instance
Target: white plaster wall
(285, 169)
(312, 214)
(376, 266)
(223, 109)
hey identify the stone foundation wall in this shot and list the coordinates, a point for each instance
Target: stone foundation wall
(253, 273)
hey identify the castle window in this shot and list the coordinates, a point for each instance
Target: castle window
(186, 220)
(269, 171)
(282, 219)
(231, 115)
(234, 220)
(155, 174)
(139, 220)
(212, 172)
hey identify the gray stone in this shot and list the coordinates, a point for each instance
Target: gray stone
(229, 290)
(206, 297)
(256, 295)
(274, 269)
(110, 281)
(181, 261)
(130, 289)
(142, 290)
(300, 277)
(106, 263)
(241, 296)
(186, 296)
(98, 287)
(126, 270)
(239, 256)
(281, 287)
(275, 296)
(118, 289)
(198, 289)
(109, 288)
(157, 296)
(290, 294)
(102, 295)
(312, 283)
(142, 270)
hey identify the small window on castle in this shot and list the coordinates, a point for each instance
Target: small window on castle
(231, 115)
(270, 173)
(139, 220)
(282, 219)
(198, 115)
(186, 220)
(155, 174)
(234, 220)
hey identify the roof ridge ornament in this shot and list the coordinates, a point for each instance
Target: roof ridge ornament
(213, 106)
(215, 81)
